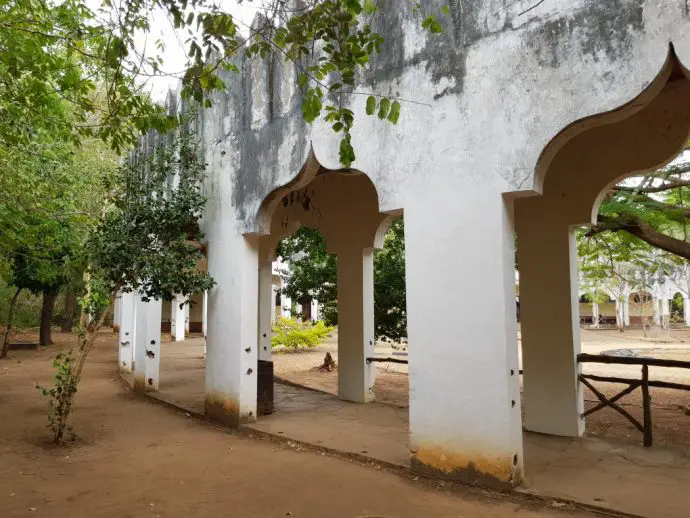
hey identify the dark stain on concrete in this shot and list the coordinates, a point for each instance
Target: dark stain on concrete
(469, 475)
(597, 29)
(601, 29)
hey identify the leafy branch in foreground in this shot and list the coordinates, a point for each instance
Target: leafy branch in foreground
(146, 242)
(90, 58)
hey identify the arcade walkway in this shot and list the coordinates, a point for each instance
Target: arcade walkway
(645, 482)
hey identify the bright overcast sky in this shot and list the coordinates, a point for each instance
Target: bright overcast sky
(174, 56)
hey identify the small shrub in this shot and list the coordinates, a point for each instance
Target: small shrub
(60, 396)
(293, 334)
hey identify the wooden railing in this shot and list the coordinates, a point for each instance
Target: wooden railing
(386, 360)
(644, 383)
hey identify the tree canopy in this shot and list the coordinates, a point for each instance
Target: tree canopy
(312, 273)
(652, 208)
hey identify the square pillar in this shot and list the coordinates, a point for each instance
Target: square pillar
(549, 318)
(232, 344)
(356, 324)
(656, 311)
(204, 313)
(127, 314)
(286, 306)
(178, 308)
(204, 316)
(266, 307)
(626, 311)
(275, 308)
(148, 345)
(665, 313)
(461, 311)
(686, 311)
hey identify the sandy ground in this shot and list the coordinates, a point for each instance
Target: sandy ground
(670, 416)
(133, 458)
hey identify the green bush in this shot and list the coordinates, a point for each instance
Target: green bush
(293, 334)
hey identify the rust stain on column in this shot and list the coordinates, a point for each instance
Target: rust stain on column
(139, 382)
(223, 409)
(498, 472)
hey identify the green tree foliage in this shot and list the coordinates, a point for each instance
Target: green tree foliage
(291, 334)
(312, 273)
(147, 241)
(312, 270)
(59, 51)
(51, 195)
(641, 237)
(652, 209)
(390, 303)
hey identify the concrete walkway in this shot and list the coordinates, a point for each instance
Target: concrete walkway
(646, 482)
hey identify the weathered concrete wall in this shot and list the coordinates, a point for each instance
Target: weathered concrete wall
(488, 96)
(494, 89)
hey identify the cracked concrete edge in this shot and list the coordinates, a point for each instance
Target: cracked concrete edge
(517, 495)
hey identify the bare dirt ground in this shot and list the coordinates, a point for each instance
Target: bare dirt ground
(671, 408)
(134, 458)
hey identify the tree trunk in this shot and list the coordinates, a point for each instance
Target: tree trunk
(306, 309)
(70, 305)
(644, 231)
(10, 321)
(45, 335)
(84, 317)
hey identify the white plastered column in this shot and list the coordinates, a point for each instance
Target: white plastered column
(204, 313)
(463, 365)
(356, 324)
(204, 316)
(656, 310)
(286, 306)
(626, 310)
(665, 312)
(549, 319)
(148, 345)
(275, 312)
(686, 311)
(266, 307)
(127, 335)
(177, 317)
(231, 344)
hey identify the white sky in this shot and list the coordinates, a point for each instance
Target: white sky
(174, 56)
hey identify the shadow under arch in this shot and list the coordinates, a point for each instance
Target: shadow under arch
(578, 168)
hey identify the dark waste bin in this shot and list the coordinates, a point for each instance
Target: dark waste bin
(264, 392)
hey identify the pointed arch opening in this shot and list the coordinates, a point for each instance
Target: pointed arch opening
(335, 215)
(584, 177)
